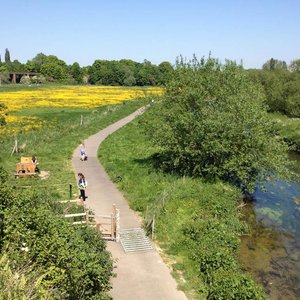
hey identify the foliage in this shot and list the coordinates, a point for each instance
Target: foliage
(3, 113)
(24, 283)
(212, 122)
(196, 222)
(275, 64)
(127, 72)
(25, 80)
(4, 75)
(289, 129)
(74, 260)
(295, 65)
(76, 72)
(281, 88)
(7, 56)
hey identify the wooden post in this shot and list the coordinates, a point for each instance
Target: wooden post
(70, 190)
(15, 149)
(153, 228)
(113, 221)
(81, 120)
(87, 217)
(112, 226)
(117, 225)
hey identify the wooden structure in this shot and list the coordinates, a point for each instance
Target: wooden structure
(25, 168)
(108, 225)
(15, 77)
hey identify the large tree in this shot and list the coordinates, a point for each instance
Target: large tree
(212, 122)
(7, 56)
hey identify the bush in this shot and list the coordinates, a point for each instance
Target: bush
(224, 286)
(74, 259)
(22, 283)
(212, 122)
(25, 80)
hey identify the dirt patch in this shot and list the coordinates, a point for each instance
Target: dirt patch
(44, 175)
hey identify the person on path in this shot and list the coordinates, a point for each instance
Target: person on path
(82, 184)
(82, 149)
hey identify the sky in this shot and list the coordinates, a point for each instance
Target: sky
(85, 30)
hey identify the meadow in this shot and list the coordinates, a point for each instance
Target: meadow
(18, 99)
(29, 212)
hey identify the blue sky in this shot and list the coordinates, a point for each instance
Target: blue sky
(85, 30)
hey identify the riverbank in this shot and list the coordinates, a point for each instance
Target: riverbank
(289, 129)
(197, 224)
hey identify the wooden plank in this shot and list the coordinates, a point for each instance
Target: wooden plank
(74, 215)
(66, 201)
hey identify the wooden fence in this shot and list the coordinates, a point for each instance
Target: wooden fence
(108, 225)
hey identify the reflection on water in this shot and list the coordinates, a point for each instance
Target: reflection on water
(271, 252)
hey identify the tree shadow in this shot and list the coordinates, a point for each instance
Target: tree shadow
(163, 162)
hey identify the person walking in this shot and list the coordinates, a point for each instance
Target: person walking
(82, 149)
(82, 184)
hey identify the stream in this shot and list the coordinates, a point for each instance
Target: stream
(271, 251)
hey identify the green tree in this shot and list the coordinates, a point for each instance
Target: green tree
(7, 56)
(166, 71)
(76, 72)
(36, 63)
(4, 74)
(212, 122)
(295, 65)
(16, 66)
(53, 70)
(275, 64)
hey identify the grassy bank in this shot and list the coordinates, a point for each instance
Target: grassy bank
(289, 128)
(197, 224)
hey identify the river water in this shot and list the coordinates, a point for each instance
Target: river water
(271, 251)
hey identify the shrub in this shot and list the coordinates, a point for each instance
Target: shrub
(25, 80)
(74, 259)
(231, 286)
(212, 122)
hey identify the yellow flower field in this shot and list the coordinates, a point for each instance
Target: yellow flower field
(66, 96)
(73, 96)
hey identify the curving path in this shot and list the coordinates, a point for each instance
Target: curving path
(140, 275)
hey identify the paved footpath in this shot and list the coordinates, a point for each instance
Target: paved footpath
(140, 275)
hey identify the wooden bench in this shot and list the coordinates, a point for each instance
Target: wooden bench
(25, 168)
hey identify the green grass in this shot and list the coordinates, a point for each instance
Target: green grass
(54, 143)
(25, 87)
(196, 222)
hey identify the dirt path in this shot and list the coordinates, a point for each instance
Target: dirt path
(140, 275)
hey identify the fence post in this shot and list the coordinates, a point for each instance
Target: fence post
(153, 227)
(70, 190)
(87, 217)
(117, 225)
(113, 221)
(112, 227)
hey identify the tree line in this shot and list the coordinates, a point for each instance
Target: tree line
(279, 80)
(125, 72)
(281, 85)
